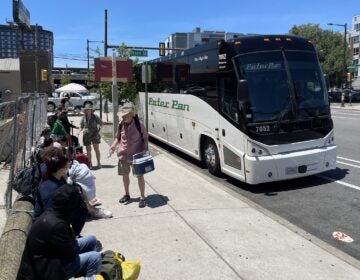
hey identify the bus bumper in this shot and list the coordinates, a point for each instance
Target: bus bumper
(290, 165)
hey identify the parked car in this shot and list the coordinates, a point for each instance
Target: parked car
(335, 96)
(76, 101)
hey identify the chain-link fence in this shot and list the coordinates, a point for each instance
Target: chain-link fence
(21, 123)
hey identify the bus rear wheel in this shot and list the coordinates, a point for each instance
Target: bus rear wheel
(211, 157)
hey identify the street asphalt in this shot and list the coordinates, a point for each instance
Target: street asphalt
(195, 228)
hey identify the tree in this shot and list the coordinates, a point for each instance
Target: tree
(329, 47)
(64, 80)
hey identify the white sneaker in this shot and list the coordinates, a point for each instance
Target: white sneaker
(102, 213)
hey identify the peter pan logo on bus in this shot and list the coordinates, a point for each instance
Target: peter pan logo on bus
(263, 66)
(179, 106)
(201, 58)
(158, 102)
(175, 104)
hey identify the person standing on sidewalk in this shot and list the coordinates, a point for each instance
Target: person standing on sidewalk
(90, 125)
(131, 139)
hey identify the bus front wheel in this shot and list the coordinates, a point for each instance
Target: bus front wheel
(211, 157)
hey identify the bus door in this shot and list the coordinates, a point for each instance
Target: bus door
(231, 149)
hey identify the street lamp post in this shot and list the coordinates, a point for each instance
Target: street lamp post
(345, 47)
(88, 68)
(88, 52)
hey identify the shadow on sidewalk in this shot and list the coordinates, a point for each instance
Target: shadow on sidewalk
(104, 166)
(156, 200)
(152, 200)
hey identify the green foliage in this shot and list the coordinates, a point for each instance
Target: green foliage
(329, 46)
(123, 51)
(64, 80)
(106, 90)
(126, 91)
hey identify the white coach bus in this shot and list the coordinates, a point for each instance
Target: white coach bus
(255, 108)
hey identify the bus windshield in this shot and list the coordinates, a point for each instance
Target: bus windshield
(269, 83)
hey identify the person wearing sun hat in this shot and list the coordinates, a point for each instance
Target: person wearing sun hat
(90, 125)
(131, 138)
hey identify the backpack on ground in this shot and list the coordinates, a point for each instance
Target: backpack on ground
(25, 180)
(110, 267)
(115, 267)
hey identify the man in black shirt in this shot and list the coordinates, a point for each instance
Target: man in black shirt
(51, 250)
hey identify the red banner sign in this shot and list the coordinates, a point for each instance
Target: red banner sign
(103, 69)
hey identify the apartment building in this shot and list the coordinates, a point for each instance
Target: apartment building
(186, 40)
(354, 38)
(13, 41)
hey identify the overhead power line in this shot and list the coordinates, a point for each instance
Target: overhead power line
(71, 58)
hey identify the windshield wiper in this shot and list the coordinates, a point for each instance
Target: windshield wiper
(291, 104)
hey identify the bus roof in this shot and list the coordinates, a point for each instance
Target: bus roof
(246, 44)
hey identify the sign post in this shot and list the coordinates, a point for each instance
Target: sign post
(146, 78)
(115, 97)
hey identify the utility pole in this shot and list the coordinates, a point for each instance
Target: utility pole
(105, 39)
(88, 57)
(343, 80)
(88, 68)
(88, 52)
(115, 97)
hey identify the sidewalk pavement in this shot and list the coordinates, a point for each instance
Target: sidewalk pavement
(347, 106)
(195, 228)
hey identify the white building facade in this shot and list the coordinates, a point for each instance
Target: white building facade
(354, 38)
(186, 40)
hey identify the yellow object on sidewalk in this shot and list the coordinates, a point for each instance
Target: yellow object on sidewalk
(130, 269)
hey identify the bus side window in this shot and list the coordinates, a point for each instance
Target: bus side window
(228, 98)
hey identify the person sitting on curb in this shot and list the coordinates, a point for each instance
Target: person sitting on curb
(51, 249)
(57, 129)
(54, 175)
(63, 116)
(131, 139)
(79, 173)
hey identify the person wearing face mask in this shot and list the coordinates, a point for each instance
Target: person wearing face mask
(54, 176)
(131, 139)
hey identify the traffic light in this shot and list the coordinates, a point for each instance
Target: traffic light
(43, 74)
(161, 49)
(348, 76)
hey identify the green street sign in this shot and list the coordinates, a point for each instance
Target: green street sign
(134, 52)
(351, 68)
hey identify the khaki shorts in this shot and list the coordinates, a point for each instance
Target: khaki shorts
(89, 139)
(124, 168)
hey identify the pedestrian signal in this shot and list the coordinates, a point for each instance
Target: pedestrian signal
(43, 74)
(161, 49)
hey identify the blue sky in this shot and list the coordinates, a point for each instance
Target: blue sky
(146, 23)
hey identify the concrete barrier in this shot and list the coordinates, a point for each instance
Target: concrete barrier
(12, 241)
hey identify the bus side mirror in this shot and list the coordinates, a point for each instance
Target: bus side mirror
(242, 91)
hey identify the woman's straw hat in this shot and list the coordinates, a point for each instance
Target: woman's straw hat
(128, 108)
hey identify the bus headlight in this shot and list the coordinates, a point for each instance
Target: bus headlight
(330, 140)
(256, 150)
